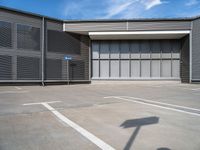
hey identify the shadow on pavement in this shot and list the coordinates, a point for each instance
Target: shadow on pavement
(163, 148)
(138, 123)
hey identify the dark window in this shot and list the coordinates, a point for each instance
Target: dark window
(63, 42)
(145, 47)
(166, 46)
(28, 37)
(135, 47)
(155, 46)
(176, 46)
(5, 34)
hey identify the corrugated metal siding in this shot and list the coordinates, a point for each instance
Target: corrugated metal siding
(95, 26)
(61, 44)
(28, 68)
(185, 60)
(168, 25)
(122, 26)
(77, 70)
(196, 50)
(6, 34)
(21, 50)
(53, 69)
(85, 55)
(28, 37)
(5, 67)
(22, 46)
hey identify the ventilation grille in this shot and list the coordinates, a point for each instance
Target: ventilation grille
(5, 34)
(28, 68)
(53, 69)
(5, 67)
(62, 42)
(76, 70)
(28, 37)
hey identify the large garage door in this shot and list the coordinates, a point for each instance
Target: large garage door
(142, 59)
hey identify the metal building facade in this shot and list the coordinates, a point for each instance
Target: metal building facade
(33, 48)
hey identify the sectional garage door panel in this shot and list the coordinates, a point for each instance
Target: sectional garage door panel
(125, 66)
(114, 69)
(166, 68)
(175, 68)
(135, 68)
(104, 68)
(114, 50)
(155, 68)
(95, 68)
(145, 68)
(136, 59)
(104, 50)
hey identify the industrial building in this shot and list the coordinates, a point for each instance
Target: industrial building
(35, 48)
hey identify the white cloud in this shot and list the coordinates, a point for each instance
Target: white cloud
(129, 8)
(116, 7)
(109, 8)
(150, 3)
(191, 2)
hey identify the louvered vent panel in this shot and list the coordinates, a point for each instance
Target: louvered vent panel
(28, 68)
(53, 69)
(28, 37)
(5, 34)
(77, 70)
(63, 42)
(5, 67)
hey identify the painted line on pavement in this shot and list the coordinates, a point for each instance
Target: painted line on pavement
(18, 88)
(13, 92)
(101, 144)
(197, 89)
(156, 104)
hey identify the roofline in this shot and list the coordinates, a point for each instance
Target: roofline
(100, 20)
(134, 20)
(29, 13)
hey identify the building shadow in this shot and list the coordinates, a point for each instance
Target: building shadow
(137, 123)
(163, 148)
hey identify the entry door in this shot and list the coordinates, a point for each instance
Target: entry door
(141, 59)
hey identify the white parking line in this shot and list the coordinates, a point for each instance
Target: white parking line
(197, 89)
(13, 92)
(149, 102)
(101, 144)
(18, 88)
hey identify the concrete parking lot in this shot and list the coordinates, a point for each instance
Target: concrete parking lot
(103, 115)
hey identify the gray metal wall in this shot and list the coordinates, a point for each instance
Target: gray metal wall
(20, 59)
(21, 50)
(185, 60)
(61, 44)
(129, 25)
(196, 50)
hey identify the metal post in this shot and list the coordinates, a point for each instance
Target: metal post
(43, 34)
(67, 72)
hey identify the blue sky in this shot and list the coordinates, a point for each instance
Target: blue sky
(107, 9)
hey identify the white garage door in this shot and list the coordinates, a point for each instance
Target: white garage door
(142, 59)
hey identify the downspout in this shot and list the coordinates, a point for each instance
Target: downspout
(43, 49)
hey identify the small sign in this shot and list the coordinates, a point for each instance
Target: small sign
(67, 58)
